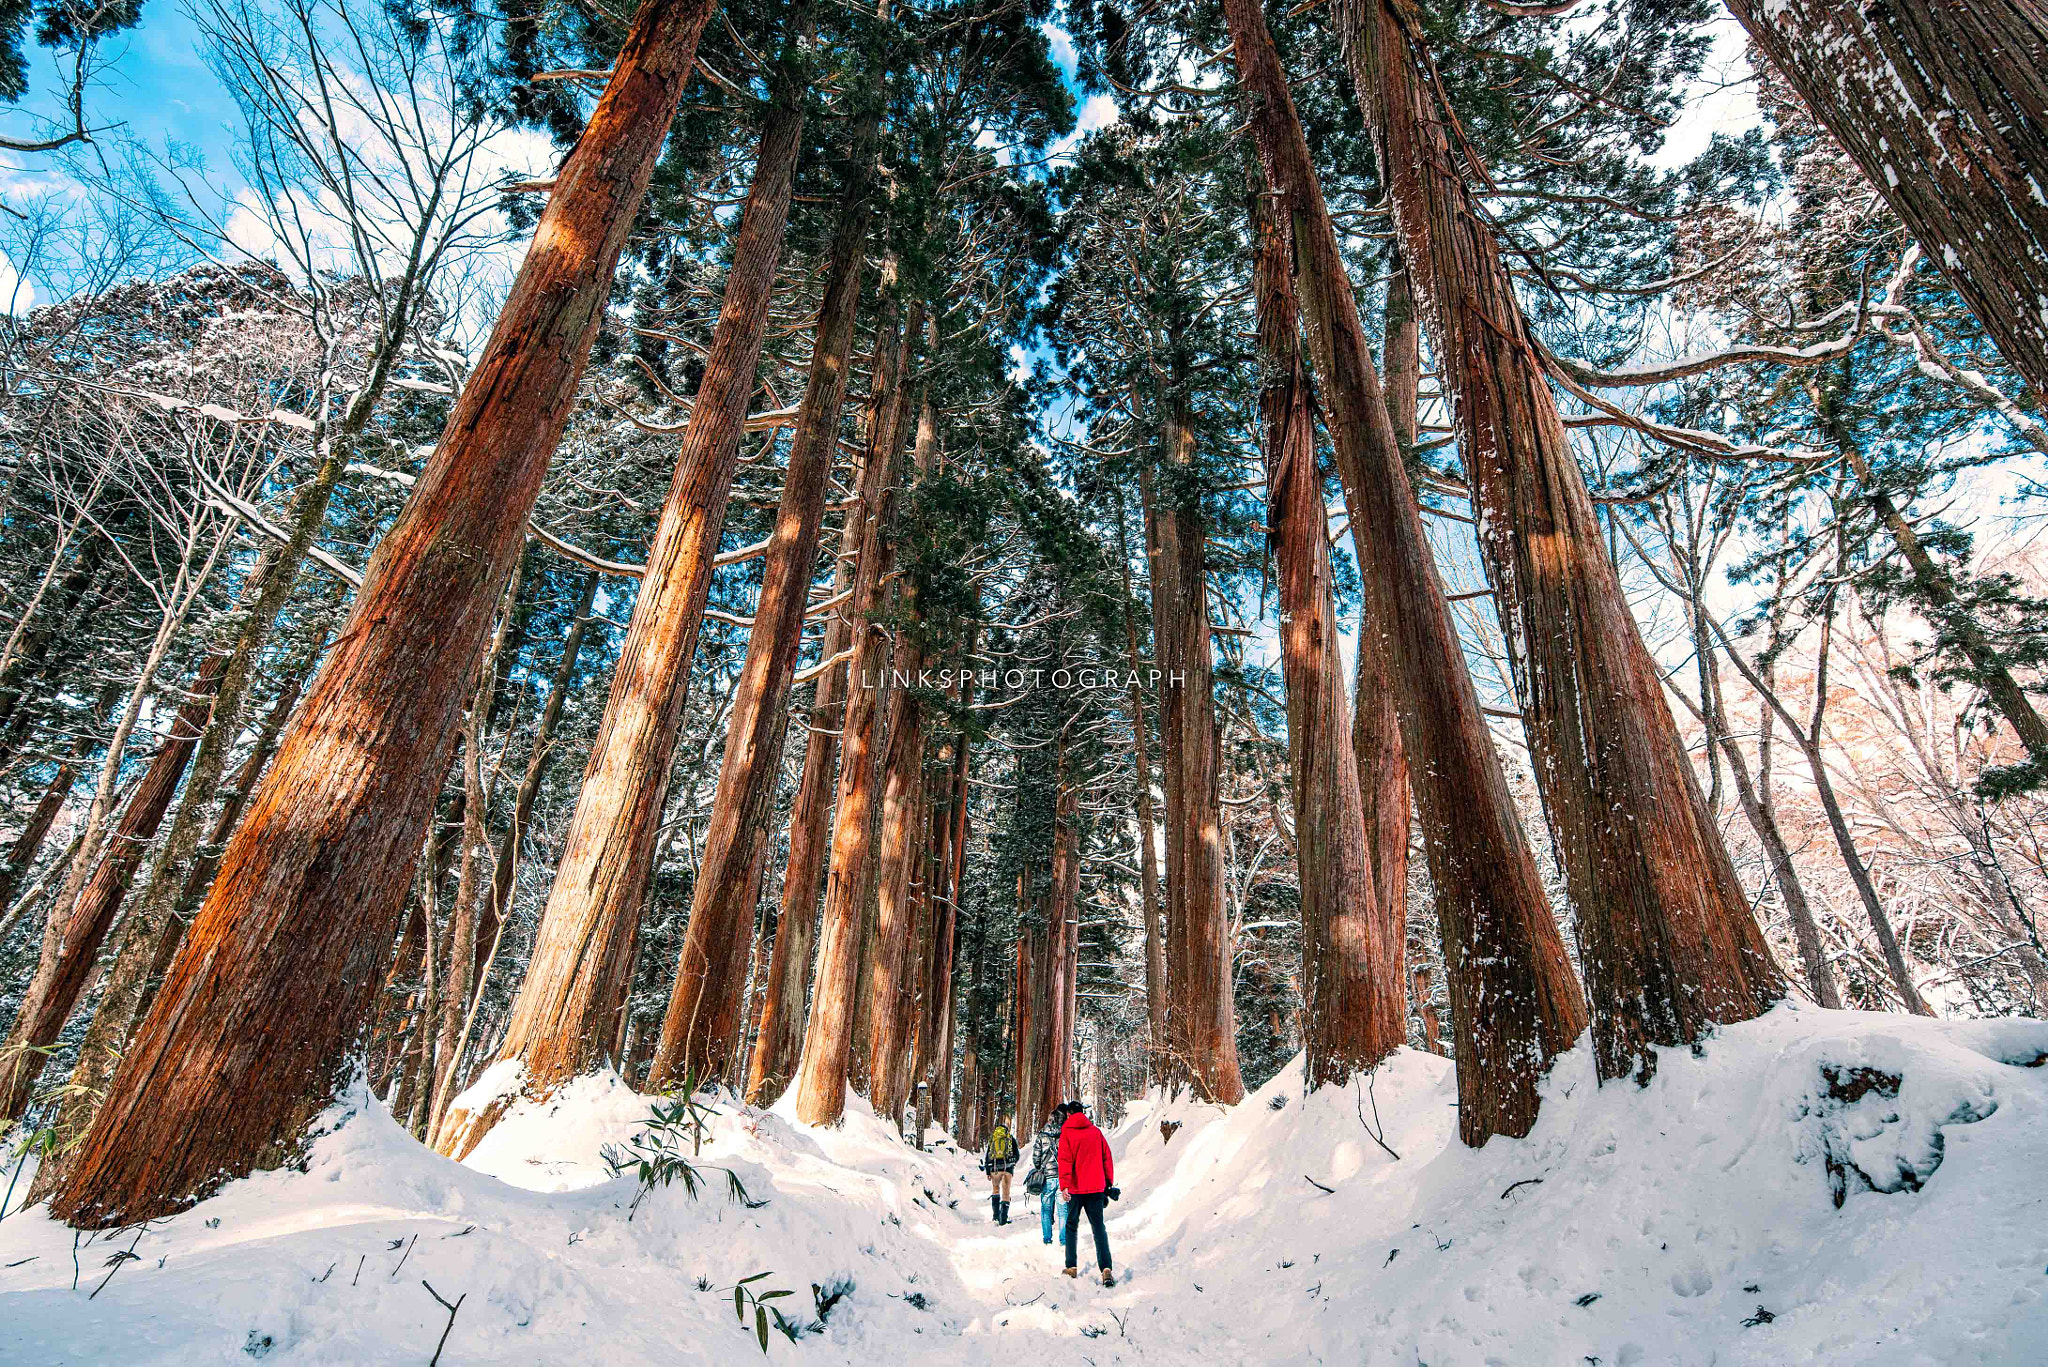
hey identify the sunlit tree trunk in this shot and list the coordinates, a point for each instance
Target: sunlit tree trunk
(700, 1024)
(796, 927)
(246, 1040)
(1666, 937)
(565, 1018)
(1352, 990)
(825, 1064)
(1515, 1003)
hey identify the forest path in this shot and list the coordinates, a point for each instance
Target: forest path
(1012, 1303)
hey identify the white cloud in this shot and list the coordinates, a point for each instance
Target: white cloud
(1099, 112)
(1062, 49)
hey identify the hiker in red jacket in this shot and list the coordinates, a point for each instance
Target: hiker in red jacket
(1088, 1177)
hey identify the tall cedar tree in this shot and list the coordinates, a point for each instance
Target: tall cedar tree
(248, 1037)
(826, 1062)
(1351, 970)
(700, 1027)
(1669, 945)
(566, 1017)
(1515, 1004)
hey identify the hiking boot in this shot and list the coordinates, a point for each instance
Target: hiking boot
(1073, 1272)
(1108, 1277)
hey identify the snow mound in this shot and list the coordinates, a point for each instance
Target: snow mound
(1814, 1186)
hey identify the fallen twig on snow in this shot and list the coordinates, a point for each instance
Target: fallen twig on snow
(435, 1360)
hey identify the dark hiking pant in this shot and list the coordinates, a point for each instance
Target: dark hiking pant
(1092, 1205)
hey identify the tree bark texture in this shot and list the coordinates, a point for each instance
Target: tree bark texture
(1201, 1019)
(147, 943)
(1376, 711)
(702, 1017)
(796, 925)
(246, 1040)
(1669, 946)
(1353, 999)
(1515, 1003)
(889, 949)
(1944, 105)
(899, 847)
(826, 1062)
(567, 1012)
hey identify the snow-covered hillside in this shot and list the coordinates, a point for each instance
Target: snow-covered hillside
(1692, 1222)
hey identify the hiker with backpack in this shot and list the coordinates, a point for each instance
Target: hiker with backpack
(1044, 1178)
(1087, 1173)
(999, 1160)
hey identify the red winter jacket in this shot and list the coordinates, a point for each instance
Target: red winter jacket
(1085, 1164)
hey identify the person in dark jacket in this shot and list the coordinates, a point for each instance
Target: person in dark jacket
(1044, 1181)
(1088, 1176)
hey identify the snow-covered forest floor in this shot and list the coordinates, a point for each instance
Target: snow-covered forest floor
(1691, 1222)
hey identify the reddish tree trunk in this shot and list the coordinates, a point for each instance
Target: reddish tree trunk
(1201, 1019)
(1064, 935)
(1352, 988)
(1148, 854)
(701, 1020)
(73, 935)
(1944, 104)
(1376, 712)
(899, 848)
(146, 950)
(1169, 1070)
(825, 1065)
(796, 927)
(246, 1039)
(1665, 934)
(568, 1008)
(505, 868)
(1515, 1004)
(895, 913)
